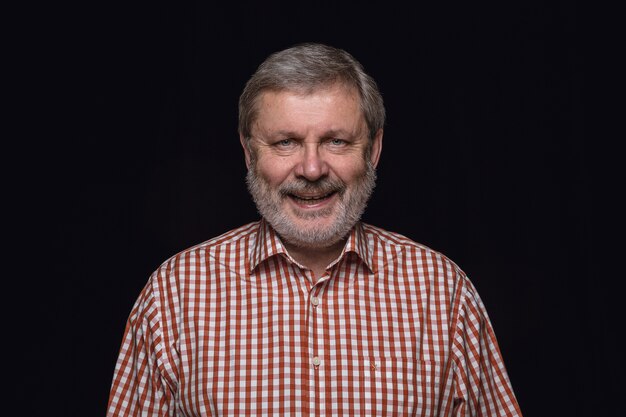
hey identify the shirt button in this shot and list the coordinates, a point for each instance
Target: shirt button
(316, 361)
(315, 301)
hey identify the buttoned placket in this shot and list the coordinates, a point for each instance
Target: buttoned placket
(314, 391)
(317, 354)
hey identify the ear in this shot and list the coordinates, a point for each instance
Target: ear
(246, 149)
(377, 147)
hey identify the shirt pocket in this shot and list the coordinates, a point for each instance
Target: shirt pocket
(390, 386)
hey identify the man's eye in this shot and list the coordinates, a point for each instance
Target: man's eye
(337, 142)
(285, 142)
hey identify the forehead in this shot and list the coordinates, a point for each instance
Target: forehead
(336, 89)
(334, 104)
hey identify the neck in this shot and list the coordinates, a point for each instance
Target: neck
(315, 259)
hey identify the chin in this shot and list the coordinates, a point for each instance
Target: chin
(314, 233)
(306, 241)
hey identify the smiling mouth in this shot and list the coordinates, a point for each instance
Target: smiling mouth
(311, 200)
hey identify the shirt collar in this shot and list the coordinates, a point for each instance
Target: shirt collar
(268, 244)
(359, 244)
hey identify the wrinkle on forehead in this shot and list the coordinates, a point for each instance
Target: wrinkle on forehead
(317, 106)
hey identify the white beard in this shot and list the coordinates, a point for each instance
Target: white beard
(347, 211)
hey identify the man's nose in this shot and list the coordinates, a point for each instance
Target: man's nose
(312, 164)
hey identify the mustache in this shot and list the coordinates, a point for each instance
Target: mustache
(320, 186)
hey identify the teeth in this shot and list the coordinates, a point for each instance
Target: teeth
(311, 198)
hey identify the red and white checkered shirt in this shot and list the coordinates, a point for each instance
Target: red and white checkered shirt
(235, 327)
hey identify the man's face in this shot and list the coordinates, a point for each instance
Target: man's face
(310, 172)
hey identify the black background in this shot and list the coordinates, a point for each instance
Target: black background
(484, 159)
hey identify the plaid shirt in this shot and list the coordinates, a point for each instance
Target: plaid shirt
(235, 326)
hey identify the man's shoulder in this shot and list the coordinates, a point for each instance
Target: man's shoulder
(391, 238)
(228, 241)
(395, 243)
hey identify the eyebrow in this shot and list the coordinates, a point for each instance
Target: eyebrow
(328, 134)
(338, 132)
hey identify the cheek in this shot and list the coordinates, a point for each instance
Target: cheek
(272, 170)
(349, 170)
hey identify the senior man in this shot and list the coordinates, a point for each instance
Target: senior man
(309, 311)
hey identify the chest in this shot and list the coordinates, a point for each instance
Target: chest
(370, 347)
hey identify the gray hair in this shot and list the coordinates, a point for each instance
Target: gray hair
(304, 68)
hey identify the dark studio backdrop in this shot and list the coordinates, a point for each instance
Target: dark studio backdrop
(484, 159)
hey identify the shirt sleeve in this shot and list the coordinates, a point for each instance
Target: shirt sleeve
(482, 386)
(143, 384)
